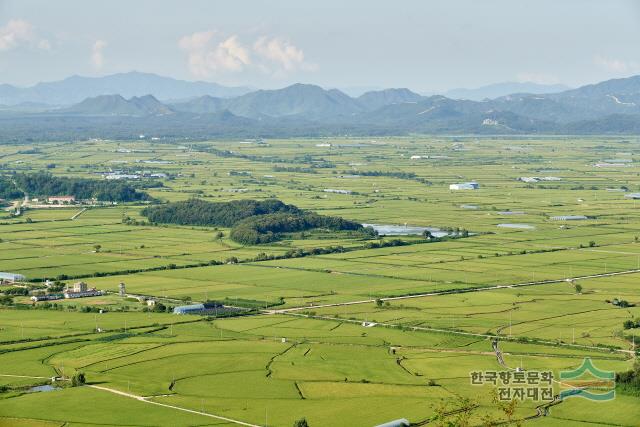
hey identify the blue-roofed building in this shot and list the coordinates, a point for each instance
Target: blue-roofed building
(568, 218)
(11, 277)
(189, 309)
(209, 308)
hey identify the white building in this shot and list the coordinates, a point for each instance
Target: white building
(465, 186)
(61, 200)
(11, 277)
(336, 191)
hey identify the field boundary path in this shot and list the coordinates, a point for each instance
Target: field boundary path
(77, 214)
(178, 408)
(25, 376)
(451, 292)
(456, 332)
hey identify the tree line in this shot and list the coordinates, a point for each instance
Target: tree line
(44, 184)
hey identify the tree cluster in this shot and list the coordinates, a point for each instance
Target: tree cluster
(252, 221)
(268, 228)
(222, 214)
(631, 324)
(44, 184)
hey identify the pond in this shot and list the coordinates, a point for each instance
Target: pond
(404, 230)
(43, 388)
(521, 226)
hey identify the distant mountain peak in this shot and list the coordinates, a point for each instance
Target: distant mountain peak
(117, 105)
(497, 90)
(74, 89)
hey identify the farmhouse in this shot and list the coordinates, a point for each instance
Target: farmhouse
(81, 290)
(61, 200)
(11, 278)
(465, 186)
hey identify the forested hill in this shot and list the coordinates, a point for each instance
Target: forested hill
(43, 184)
(223, 214)
(252, 221)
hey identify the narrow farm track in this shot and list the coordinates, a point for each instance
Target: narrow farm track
(77, 214)
(24, 376)
(178, 408)
(436, 293)
(461, 333)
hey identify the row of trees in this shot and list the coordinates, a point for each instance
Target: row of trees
(392, 174)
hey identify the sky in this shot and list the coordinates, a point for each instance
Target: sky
(425, 45)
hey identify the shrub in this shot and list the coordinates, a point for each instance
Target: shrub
(78, 379)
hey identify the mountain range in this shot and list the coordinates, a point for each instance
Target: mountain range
(612, 106)
(497, 90)
(77, 88)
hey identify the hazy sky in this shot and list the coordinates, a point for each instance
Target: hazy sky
(424, 45)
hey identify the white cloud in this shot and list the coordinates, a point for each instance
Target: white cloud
(97, 56)
(208, 53)
(44, 44)
(280, 52)
(15, 32)
(539, 78)
(19, 32)
(206, 57)
(616, 66)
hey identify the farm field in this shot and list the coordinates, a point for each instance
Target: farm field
(373, 330)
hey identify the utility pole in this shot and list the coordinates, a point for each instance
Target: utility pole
(510, 321)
